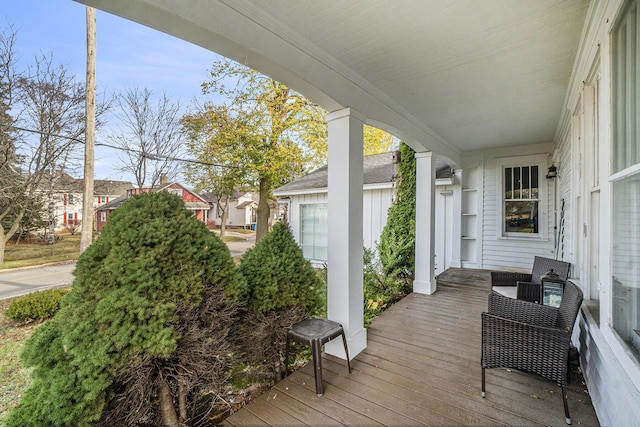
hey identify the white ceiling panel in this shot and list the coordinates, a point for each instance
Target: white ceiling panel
(446, 75)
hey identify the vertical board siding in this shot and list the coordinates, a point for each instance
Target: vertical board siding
(376, 204)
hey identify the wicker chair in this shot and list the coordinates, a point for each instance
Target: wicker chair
(531, 337)
(527, 286)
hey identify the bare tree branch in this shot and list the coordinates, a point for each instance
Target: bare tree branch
(46, 98)
(149, 137)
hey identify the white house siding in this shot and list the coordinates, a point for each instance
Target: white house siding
(512, 253)
(613, 394)
(611, 371)
(376, 203)
(239, 217)
(236, 217)
(566, 211)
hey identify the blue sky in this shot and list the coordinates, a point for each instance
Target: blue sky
(128, 54)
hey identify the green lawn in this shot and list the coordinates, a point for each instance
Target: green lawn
(37, 253)
(14, 378)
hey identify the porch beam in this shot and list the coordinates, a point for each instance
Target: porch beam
(344, 261)
(424, 281)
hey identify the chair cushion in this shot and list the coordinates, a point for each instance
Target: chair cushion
(507, 291)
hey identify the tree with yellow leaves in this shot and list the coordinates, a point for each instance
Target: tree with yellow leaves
(377, 141)
(224, 148)
(269, 133)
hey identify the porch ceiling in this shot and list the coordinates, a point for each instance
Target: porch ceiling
(445, 75)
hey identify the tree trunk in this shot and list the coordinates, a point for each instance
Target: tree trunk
(6, 235)
(168, 412)
(263, 209)
(277, 368)
(224, 217)
(3, 245)
(182, 396)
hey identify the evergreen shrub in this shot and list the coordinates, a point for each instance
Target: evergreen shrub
(282, 289)
(37, 306)
(278, 276)
(147, 329)
(396, 248)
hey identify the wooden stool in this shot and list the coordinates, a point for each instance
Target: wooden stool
(315, 333)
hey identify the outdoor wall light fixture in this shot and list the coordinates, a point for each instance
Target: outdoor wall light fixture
(552, 173)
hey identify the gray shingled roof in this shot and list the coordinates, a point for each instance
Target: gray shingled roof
(211, 198)
(108, 187)
(112, 204)
(377, 169)
(68, 184)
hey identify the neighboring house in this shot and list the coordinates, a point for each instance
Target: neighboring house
(66, 196)
(192, 201)
(304, 203)
(508, 92)
(242, 209)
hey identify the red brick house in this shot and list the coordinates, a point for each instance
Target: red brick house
(192, 201)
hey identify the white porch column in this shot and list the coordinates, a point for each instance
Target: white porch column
(344, 263)
(424, 281)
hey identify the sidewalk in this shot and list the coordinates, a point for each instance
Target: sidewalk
(240, 247)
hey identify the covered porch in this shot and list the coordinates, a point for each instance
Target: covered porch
(427, 374)
(498, 90)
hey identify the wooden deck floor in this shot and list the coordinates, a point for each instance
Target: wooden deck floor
(421, 367)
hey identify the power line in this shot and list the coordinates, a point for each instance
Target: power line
(149, 156)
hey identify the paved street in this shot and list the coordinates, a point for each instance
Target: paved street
(26, 280)
(22, 281)
(240, 247)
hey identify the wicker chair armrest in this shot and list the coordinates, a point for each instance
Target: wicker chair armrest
(528, 291)
(506, 278)
(511, 344)
(522, 311)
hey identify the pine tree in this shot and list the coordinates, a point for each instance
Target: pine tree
(278, 275)
(397, 241)
(147, 324)
(282, 289)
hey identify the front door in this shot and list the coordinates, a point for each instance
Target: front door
(444, 231)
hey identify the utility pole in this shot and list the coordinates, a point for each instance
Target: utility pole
(86, 236)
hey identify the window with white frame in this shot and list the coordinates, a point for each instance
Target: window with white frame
(625, 253)
(103, 216)
(625, 80)
(314, 231)
(521, 193)
(625, 180)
